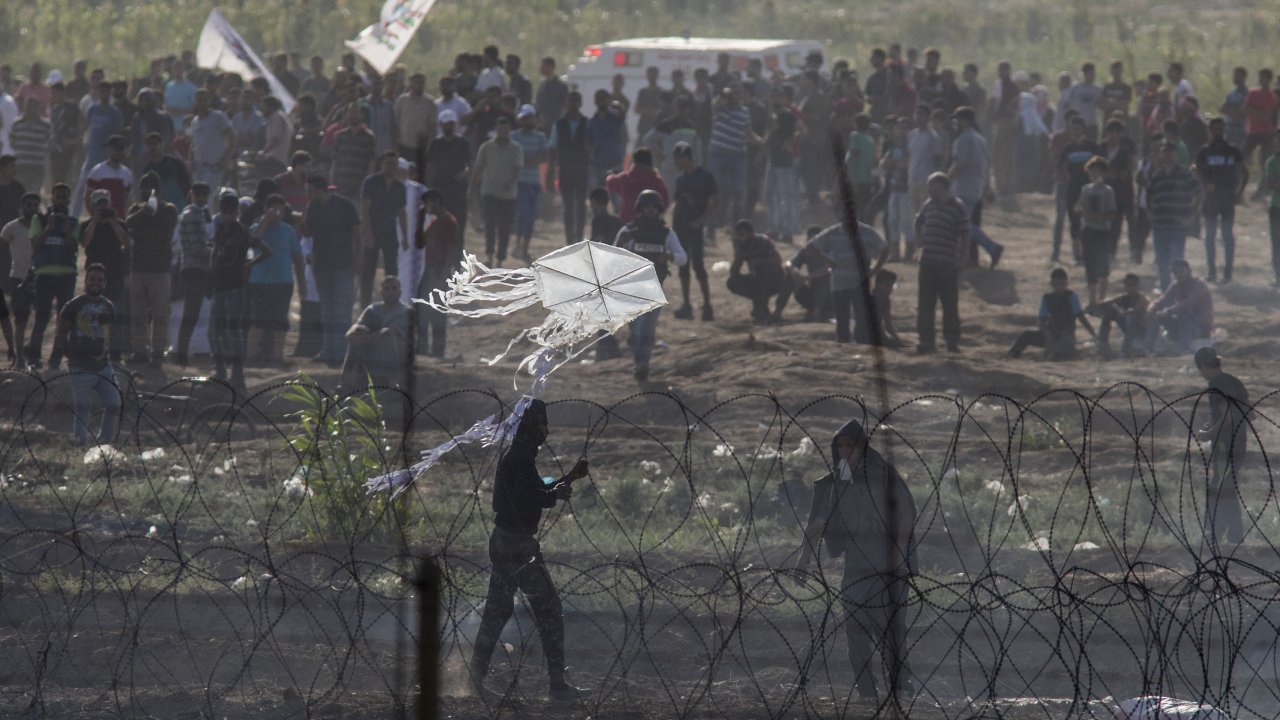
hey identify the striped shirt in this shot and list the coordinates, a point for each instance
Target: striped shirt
(353, 154)
(195, 230)
(1171, 197)
(941, 226)
(729, 132)
(30, 140)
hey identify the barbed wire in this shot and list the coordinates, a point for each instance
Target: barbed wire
(220, 558)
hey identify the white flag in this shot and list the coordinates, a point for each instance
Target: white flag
(222, 48)
(381, 43)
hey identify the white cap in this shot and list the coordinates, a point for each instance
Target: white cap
(55, 76)
(447, 116)
(526, 111)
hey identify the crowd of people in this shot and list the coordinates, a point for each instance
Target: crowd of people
(199, 189)
(144, 178)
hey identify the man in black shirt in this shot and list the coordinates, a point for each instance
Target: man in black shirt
(150, 223)
(696, 199)
(336, 256)
(106, 242)
(519, 497)
(1228, 430)
(1224, 175)
(447, 162)
(570, 155)
(230, 265)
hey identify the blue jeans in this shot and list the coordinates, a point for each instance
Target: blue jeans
(85, 384)
(337, 291)
(1182, 328)
(642, 336)
(780, 189)
(1059, 214)
(899, 217)
(976, 233)
(527, 195)
(1170, 243)
(1226, 211)
(226, 333)
(730, 171)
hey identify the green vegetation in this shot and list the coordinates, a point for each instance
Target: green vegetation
(121, 35)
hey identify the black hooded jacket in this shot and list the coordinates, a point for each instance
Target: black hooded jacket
(869, 518)
(519, 495)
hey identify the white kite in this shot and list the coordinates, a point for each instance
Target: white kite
(589, 290)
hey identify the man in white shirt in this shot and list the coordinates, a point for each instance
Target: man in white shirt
(1084, 100)
(492, 75)
(8, 116)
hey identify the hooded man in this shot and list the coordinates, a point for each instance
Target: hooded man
(519, 497)
(864, 511)
(1227, 432)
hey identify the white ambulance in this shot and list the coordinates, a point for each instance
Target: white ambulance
(599, 63)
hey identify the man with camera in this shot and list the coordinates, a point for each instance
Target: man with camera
(53, 256)
(106, 242)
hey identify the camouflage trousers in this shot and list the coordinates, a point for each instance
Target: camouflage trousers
(517, 563)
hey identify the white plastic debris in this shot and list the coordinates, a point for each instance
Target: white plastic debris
(295, 488)
(1153, 707)
(1041, 544)
(650, 467)
(1086, 545)
(153, 454)
(804, 449)
(720, 266)
(102, 453)
(153, 532)
(994, 487)
(1019, 505)
(722, 450)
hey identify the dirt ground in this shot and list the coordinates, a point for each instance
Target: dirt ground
(798, 361)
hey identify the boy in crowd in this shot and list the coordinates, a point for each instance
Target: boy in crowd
(1096, 208)
(881, 300)
(1059, 312)
(604, 224)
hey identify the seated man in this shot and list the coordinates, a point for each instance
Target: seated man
(764, 275)
(1059, 311)
(1184, 311)
(377, 345)
(1127, 310)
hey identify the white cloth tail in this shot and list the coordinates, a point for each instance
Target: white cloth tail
(479, 291)
(488, 432)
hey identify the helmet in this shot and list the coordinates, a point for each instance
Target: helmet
(649, 198)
